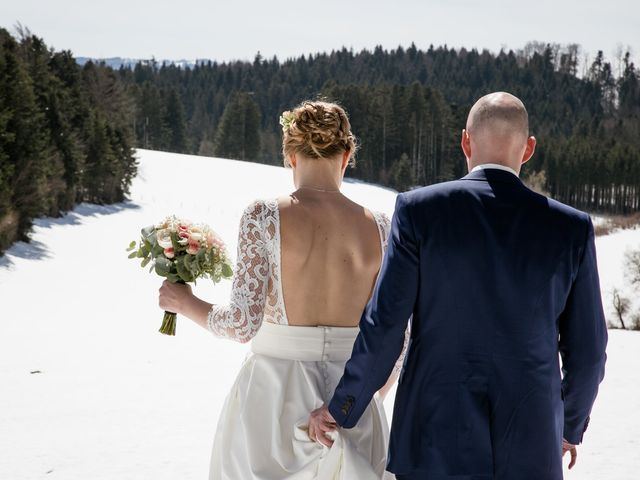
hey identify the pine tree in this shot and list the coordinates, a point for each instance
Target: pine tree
(24, 143)
(401, 172)
(175, 120)
(238, 134)
(65, 134)
(99, 174)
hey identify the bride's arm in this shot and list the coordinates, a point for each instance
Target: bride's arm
(176, 297)
(395, 373)
(397, 368)
(241, 318)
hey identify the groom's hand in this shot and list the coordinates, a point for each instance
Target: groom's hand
(321, 422)
(567, 447)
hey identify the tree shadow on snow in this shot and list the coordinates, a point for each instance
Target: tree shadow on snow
(36, 250)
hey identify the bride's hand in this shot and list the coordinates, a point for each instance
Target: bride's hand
(173, 296)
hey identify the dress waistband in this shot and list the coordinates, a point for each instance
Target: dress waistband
(313, 344)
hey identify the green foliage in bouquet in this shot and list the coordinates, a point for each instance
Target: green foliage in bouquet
(181, 252)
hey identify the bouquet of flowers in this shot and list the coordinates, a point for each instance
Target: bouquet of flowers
(181, 252)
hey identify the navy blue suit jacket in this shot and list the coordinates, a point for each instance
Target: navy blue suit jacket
(498, 281)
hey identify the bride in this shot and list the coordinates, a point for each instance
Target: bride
(305, 269)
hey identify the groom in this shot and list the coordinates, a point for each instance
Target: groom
(498, 280)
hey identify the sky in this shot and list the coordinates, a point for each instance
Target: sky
(238, 29)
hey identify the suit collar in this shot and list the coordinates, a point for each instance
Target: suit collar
(494, 165)
(493, 175)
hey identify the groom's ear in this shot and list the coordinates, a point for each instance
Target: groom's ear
(528, 152)
(465, 143)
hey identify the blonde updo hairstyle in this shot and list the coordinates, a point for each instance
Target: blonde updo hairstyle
(317, 129)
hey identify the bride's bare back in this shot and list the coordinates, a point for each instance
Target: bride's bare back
(331, 254)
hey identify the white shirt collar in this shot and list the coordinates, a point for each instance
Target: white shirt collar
(494, 165)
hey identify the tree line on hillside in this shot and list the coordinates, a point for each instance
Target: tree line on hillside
(408, 106)
(65, 134)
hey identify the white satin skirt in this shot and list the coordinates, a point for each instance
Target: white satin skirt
(262, 429)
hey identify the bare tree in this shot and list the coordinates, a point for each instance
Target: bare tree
(621, 306)
(632, 267)
(618, 55)
(22, 31)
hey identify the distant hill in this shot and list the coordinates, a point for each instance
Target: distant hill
(117, 62)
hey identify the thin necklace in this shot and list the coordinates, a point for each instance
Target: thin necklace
(318, 189)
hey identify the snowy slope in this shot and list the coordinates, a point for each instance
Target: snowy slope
(611, 249)
(112, 398)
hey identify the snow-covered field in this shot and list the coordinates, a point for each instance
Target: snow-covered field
(90, 389)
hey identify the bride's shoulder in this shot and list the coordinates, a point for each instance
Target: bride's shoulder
(260, 219)
(261, 206)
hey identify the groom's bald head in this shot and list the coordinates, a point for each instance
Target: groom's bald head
(499, 115)
(497, 131)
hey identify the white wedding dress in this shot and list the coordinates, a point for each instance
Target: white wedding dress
(291, 370)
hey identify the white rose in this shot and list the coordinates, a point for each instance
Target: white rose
(164, 238)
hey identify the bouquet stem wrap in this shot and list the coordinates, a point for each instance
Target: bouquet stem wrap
(168, 326)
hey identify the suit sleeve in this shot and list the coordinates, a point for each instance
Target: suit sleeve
(383, 322)
(582, 343)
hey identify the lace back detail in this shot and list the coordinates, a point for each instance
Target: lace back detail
(256, 291)
(275, 311)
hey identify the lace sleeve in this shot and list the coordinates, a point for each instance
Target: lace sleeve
(242, 317)
(385, 225)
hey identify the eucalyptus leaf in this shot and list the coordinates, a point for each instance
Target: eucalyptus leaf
(227, 271)
(174, 241)
(161, 272)
(183, 272)
(192, 265)
(148, 231)
(162, 266)
(133, 254)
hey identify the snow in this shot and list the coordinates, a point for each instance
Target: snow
(110, 397)
(611, 250)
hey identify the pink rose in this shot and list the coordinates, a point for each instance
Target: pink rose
(193, 248)
(169, 253)
(214, 241)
